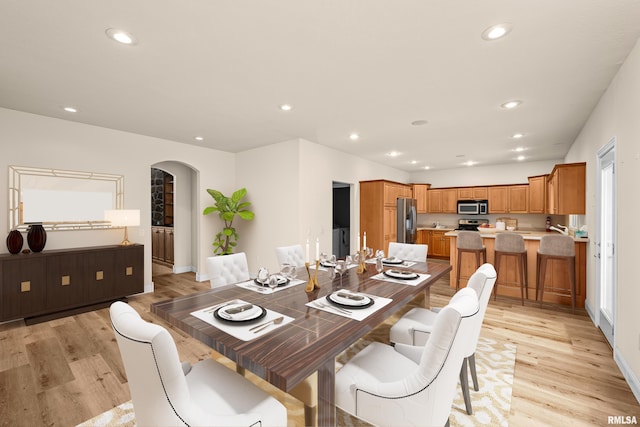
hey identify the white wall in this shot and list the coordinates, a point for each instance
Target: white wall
(32, 140)
(512, 173)
(616, 115)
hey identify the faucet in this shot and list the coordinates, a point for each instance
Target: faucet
(561, 229)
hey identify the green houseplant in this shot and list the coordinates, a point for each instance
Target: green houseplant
(228, 208)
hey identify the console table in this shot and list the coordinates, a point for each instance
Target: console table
(57, 283)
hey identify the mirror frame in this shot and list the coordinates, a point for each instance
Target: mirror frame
(15, 178)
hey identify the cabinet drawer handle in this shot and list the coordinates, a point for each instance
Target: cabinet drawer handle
(65, 280)
(129, 271)
(25, 286)
(99, 275)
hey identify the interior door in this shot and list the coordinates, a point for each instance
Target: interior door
(605, 241)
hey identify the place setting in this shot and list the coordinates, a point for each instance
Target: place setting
(354, 305)
(403, 277)
(391, 261)
(242, 319)
(266, 283)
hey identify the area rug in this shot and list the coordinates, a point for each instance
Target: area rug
(495, 362)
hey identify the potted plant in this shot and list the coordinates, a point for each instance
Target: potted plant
(228, 208)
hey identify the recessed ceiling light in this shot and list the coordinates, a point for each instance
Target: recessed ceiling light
(517, 135)
(121, 36)
(518, 149)
(427, 167)
(419, 122)
(70, 109)
(511, 104)
(393, 154)
(470, 163)
(198, 138)
(520, 158)
(354, 136)
(413, 162)
(285, 107)
(496, 31)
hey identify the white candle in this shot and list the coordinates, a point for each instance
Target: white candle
(358, 243)
(307, 251)
(317, 248)
(364, 241)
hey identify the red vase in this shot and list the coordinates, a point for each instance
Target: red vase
(14, 241)
(36, 237)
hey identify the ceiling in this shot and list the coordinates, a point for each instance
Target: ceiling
(221, 69)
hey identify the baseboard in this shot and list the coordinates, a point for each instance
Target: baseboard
(628, 374)
(201, 277)
(591, 313)
(185, 269)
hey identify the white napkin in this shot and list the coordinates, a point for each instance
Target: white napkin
(349, 301)
(246, 314)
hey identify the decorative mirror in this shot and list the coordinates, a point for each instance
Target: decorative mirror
(60, 199)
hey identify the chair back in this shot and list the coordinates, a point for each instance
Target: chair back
(557, 245)
(509, 242)
(228, 269)
(482, 281)
(290, 255)
(408, 251)
(425, 397)
(469, 240)
(159, 390)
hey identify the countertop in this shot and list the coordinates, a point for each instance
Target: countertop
(441, 228)
(527, 235)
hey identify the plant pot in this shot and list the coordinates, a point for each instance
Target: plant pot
(36, 237)
(14, 241)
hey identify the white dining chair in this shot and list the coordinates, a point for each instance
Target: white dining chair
(415, 327)
(408, 251)
(165, 392)
(227, 269)
(410, 385)
(290, 255)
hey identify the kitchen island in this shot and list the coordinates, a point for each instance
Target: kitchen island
(556, 286)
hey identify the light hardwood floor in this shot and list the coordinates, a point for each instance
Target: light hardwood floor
(63, 372)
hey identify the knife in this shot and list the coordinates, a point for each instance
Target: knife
(239, 309)
(351, 296)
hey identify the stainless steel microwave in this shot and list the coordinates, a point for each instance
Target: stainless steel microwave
(473, 207)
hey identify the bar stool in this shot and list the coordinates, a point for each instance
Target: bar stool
(509, 244)
(471, 242)
(559, 248)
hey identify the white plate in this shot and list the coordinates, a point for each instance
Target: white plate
(392, 260)
(348, 299)
(404, 275)
(253, 313)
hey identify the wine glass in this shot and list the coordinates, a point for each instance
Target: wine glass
(379, 265)
(288, 271)
(273, 282)
(368, 253)
(263, 275)
(348, 261)
(341, 267)
(379, 253)
(332, 259)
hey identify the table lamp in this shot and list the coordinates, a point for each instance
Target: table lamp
(123, 218)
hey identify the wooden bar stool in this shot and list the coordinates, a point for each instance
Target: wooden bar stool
(560, 248)
(509, 244)
(470, 241)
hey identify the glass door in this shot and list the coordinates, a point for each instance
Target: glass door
(605, 241)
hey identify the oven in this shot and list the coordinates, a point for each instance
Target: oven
(473, 207)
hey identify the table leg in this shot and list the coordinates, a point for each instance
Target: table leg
(327, 394)
(427, 298)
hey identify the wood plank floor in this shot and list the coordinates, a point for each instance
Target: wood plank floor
(65, 371)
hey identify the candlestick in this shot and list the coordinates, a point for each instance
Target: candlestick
(364, 242)
(306, 258)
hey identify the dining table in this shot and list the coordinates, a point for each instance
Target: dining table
(310, 341)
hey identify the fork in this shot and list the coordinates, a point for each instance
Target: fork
(338, 309)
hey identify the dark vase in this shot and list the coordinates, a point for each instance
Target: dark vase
(14, 241)
(36, 237)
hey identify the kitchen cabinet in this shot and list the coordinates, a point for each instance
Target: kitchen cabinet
(538, 194)
(420, 194)
(509, 199)
(566, 189)
(443, 200)
(422, 237)
(56, 283)
(162, 244)
(439, 246)
(473, 193)
(378, 210)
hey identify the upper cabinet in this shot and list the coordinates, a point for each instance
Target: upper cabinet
(566, 189)
(538, 194)
(420, 194)
(443, 200)
(473, 193)
(498, 199)
(509, 199)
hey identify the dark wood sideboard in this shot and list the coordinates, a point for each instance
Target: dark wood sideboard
(50, 284)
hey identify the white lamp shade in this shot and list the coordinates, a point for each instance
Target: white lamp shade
(123, 217)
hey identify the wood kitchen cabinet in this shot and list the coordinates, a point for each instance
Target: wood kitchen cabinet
(498, 202)
(56, 283)
(378, 210)
(538, 194)
(566, 189)
(473, 193)
(439, 246)
(509, 199)
(162, 244)
(443, 200)
(420, 194)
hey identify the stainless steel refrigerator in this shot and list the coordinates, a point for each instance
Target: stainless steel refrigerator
(406, 221)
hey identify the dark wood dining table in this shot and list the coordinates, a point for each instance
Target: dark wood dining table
(292, 352)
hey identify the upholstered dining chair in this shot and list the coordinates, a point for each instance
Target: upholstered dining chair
(228, 269)
(410, 385)
(290, 255)
(408, 251)
(165, 392)
(416, 326)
